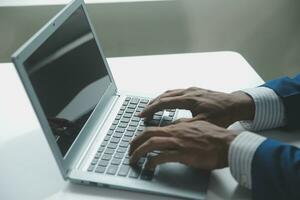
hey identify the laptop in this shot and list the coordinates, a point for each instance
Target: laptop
(86, 120)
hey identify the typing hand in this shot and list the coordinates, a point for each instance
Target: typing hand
(198, 144)
(216, 107)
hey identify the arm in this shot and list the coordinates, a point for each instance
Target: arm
(270, 168)
(288, 89)
(276, 171)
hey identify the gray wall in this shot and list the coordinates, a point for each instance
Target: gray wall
(266, 33)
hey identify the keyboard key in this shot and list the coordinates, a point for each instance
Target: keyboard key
(101, 149)
(142, 123)
(124, 170)
(113, 127)
(115, 140)
(127, 115)
(141, 162)
(107, 137)
(141, 128)
(91, 168)
(165, 123)
(129, 133)
(94, 161)
(112, 145)
(136, 119)
(118, 117)
(171, 114)
(134, 101)
(103, 163)
(126, 161)
(125, 120)
(167, 118)
(97, 156)
(125, 103)
(119, 155)
(132, 106)
(110, 132)
(123, 107)
(134, 173)
(104, 143)
(106, 157)
(120, 112)
(117, 135)
(142, 105)
(124, 144)
(122, 125)
(126, 139)
(115, 122)
(147, 175)
(134, 124)
(100, 169)
(129, 110)
(157, 117)
(131, 128)
(127, 98)
(112, 169)
(146, 101)
(120, 130)
(109, 151)
(116, 161)
(139, 109)
(160, 113)
(121, 150)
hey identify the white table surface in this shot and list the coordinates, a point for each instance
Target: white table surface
(28, 169)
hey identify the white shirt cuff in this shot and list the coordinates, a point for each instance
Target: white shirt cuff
(240, 156)
(269, 109)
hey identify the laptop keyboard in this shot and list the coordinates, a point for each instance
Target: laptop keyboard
(112, 155)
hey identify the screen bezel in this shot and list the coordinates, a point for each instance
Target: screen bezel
(24, 52)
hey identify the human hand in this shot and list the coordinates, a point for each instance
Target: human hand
(219, 108)
(198, 144)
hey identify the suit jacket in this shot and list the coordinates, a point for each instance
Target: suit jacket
(276, 166)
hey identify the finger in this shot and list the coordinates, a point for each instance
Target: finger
(154, 143)
(169, 93)
(185, 120)
(163, 157)
(147, 134)
(165, 103)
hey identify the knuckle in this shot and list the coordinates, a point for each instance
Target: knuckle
(192, 88)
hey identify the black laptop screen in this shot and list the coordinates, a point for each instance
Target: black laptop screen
(69, 77)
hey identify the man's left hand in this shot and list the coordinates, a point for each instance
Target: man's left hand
(198, 144)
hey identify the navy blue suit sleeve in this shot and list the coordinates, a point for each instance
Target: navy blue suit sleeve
(288, 89)
(276, 172)
(276, 166)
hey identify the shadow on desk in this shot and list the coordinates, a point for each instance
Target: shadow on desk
(27, 170)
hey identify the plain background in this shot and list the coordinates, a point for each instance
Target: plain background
(266, 33)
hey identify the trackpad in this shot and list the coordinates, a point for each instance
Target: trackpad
(180, 176)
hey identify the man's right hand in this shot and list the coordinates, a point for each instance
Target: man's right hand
(219, 108)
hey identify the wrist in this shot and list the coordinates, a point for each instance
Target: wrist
(229, 137)
(244, 106)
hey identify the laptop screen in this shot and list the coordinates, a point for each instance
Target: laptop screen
(69, 76)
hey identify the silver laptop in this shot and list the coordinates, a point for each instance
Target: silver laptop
(86, 120)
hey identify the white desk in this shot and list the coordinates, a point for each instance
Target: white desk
(28, 169)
